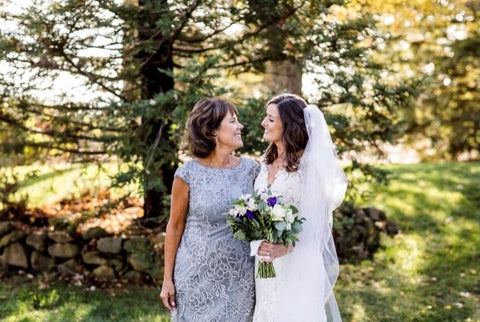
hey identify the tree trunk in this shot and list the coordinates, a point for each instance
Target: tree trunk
(283, 76)
(154, 82)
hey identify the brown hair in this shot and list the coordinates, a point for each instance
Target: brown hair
(206, 117)
(295, 135)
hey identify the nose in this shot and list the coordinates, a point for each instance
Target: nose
(263, 122)
(240, 125)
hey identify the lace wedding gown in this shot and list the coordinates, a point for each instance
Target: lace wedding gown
(287, 187)
(302, 291)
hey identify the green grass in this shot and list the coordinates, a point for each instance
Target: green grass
(45, 184)
(431, 270)
(34, 300)
(428, 272)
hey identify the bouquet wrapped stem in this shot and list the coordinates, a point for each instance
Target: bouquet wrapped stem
(265, 270)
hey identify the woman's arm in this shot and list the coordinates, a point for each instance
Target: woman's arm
(174, 232)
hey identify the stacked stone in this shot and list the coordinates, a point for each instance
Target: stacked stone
(92, 253)
(357, 232)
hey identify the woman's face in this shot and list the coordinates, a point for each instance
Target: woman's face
(272, 125)
(229, 133)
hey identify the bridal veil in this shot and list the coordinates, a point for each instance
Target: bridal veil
(312, 267)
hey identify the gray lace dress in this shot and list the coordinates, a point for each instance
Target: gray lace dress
(214, 273)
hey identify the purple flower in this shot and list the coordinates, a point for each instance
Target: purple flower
(250, 214)
(272, 201)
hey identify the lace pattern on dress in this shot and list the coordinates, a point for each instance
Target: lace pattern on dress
(286, 186)
(213, 273)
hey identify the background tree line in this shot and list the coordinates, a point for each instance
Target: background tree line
(139, 67)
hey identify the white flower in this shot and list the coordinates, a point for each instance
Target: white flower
(288, 226)
(289, 218)
(263, 195)
(245, 197)
(241, 211)
(278, 212)
(233, 212)
(237, 211)
(251, 205)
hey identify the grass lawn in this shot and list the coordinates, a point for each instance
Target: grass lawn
(431, 270)
(32, 299)
(428, 272)
(45, 184)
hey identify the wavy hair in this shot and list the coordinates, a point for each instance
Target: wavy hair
(206, 117)
(295, 135)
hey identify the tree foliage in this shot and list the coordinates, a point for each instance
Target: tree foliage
(139, 66)
(440, 41)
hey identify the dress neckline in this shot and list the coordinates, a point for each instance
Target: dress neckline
(219, 168)
(275, 177)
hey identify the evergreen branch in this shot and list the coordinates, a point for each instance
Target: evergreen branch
(245, 37)
(50, 145)
(52, 133)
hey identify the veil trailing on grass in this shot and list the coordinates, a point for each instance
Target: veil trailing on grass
(312, 269)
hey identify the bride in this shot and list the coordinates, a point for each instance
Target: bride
(300, 166)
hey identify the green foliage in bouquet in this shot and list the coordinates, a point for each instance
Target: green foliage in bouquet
(261, 216)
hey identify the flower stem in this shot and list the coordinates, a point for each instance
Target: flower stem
(265, 270)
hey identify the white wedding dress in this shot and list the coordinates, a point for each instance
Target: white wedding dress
(287, 187)
(302, 291)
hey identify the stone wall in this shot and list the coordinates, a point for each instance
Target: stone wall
(357, 232)
(93, 253)
(139, 256)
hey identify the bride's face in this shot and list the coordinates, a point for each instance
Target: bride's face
(272, 125)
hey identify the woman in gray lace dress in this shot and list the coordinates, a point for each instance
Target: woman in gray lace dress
(209, 276)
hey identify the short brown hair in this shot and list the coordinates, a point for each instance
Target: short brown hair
(206, 117)
(295, 134)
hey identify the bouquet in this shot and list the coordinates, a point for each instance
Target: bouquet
(261, 216)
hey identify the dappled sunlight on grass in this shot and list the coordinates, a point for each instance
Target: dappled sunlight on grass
(24, 299)
(43, 184)
(359, 314)
(428, 272)
(409, 254)
(402, 206)
(62, 313)
(461, 230)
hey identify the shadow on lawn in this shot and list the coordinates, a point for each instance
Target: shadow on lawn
(64, 302)
(423, 192)
(437, 207)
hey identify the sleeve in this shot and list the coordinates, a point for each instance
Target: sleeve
(183, 172)
(254, 246)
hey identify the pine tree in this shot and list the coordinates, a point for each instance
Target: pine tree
(143, 64)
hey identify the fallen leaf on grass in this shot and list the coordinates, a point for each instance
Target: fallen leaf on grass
(465, 294)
